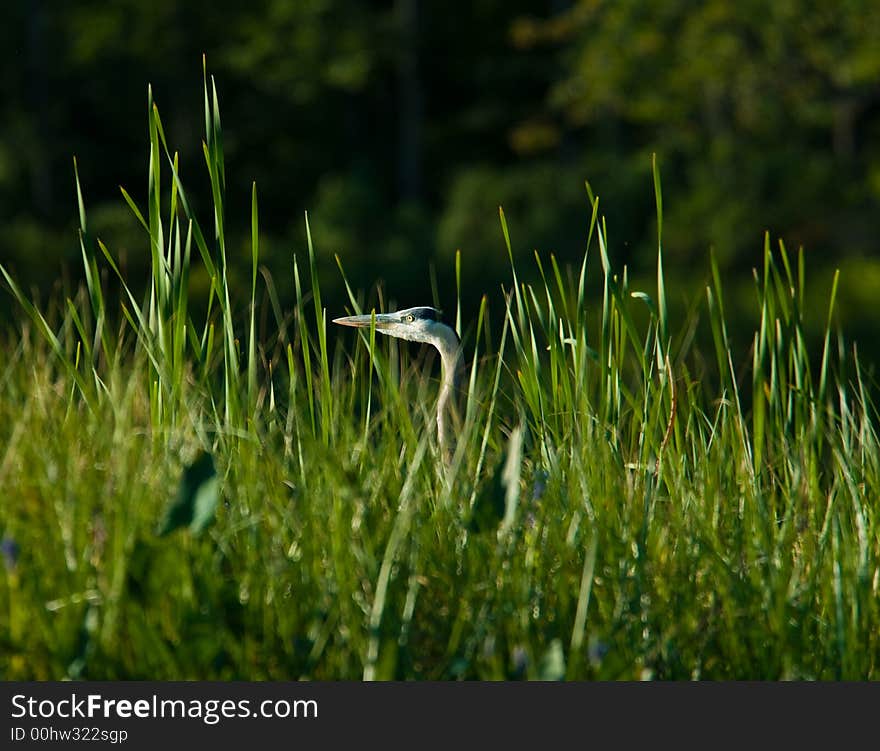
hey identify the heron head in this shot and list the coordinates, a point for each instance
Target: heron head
(420, 324)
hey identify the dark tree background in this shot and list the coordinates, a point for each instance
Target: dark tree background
(402, 125)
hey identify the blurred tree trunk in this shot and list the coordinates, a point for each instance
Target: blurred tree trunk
(410, 106)
(38, 109)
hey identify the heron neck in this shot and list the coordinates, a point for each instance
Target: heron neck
(450, 350)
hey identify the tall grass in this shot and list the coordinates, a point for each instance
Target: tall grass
(179, 500)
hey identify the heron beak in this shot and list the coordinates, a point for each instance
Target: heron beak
(383, 320)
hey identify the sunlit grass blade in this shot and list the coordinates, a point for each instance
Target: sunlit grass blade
(321, 325)
(252, 338)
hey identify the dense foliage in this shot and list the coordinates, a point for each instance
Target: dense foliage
(401, 126)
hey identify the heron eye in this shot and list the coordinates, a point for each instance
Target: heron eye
(410, 318)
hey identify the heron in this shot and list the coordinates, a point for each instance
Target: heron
(422, 324)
